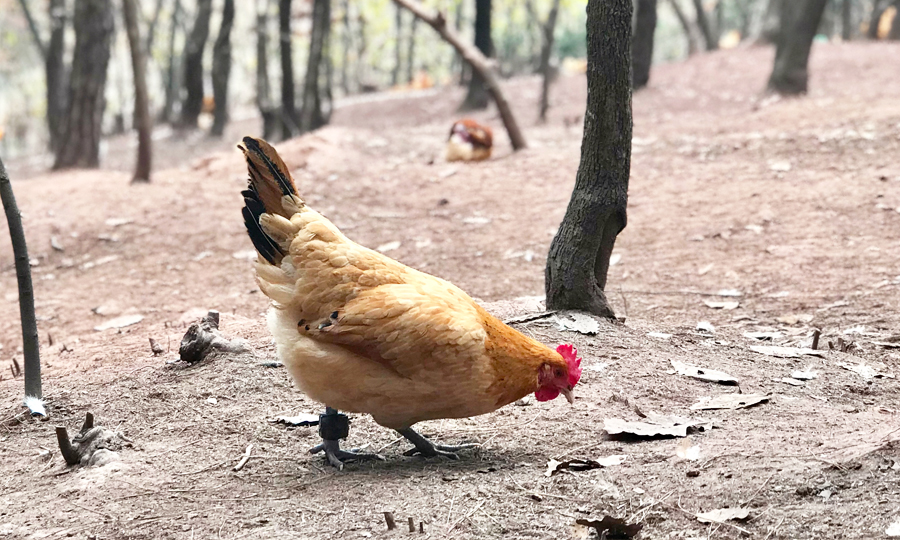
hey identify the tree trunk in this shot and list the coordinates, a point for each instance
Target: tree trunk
(172, 82)
(642, 44)
(878, 7)
(151, 29)
(193, 66)
(703, 22)
(346, 45)
(894, 34)
(141, 100)
(799, 22)
(221, 69)
(686, 26)
(578, 261)
(847, 20)
(263, 92)
(30, 345)
(289, 126)
(311, 114)
(35, 33)
(771, 26)
(477, 96)
(56, 75)
(80, 138)
(411, 51)
(479, 65)
(547, 29)
(398, 31)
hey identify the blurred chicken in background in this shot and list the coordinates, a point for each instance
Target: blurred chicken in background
(469, 141)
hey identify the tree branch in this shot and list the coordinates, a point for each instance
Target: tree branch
(478, 62)
(34, 30)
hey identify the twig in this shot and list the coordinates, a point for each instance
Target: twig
(244, 459)
(774, 530)
(412, 525)
(467, 516)
(389, 519)
(815, 339)
(530, 317)
(65, 446)
(99, 513)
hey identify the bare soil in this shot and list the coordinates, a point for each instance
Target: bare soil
(794, 203)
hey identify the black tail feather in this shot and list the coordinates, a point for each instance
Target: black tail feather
(265, 246)
(287, 187)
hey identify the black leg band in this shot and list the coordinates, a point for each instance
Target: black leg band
(334, 426)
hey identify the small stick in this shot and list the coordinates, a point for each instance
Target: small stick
(69, 454)
(389, 519)
(88, 422)
(244, 459)
(467, 516)
(412, 525)
(422, 527)
(529, 317)
(815, 338)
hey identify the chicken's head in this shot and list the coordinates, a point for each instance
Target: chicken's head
(559, 378)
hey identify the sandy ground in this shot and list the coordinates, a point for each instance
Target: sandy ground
(794, 204)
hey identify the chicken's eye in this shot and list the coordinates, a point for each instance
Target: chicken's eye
(558, 372)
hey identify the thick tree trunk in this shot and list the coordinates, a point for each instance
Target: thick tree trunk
(771, 25)
(477, 96)
(141, 99)
(55, 67)
(173, 69)
(703, 22)
(799, 22)
(878, 7)
(267, 110)
(547, 29)
(894, 34)
(312, 116)
(398, 31)
(289, 121)
(80, 139)
(193, 66)
(30, 344)
(578, 261)
(221, 70)
(411, 51)
(479, 65)
(686, 26)
(642, 44)
(847, 20)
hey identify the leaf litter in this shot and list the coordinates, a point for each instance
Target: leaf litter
(578, 465)
(703, 374)
(729, 401)
(656, 425)
(612, 528)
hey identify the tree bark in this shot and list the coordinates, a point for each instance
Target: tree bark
(477, 96)
(267, 110)
(289, 120)
(878, 7)
(141, 99)
(799, 22)
(221, 70)
(398, 31)
(479, 64)
(80, 140)
(547, 29)
(151, 29)
(894, 34)
(578, 261)
(193, 66)
(642, 44)
(411, 51)
(30, 344)
(35, 33)
(847, 20)
(686, 26)
(55, 69)
(312, 116)
(703, 22)
(346, 45)
(173, 69)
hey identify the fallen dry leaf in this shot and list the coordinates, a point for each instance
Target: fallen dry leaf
(721, 305)
(687, 451)
(804, 375)
(703, 373)
(722, 515)
(864, 371)
(656, 425)
(786, 352)
(119, 322)
(302, 419)
(615, 528)
(706, 326)
(554, 466)
(764, 336)
(794, 318)
(578, 322)
(729, 401)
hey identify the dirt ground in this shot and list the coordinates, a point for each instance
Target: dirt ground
(793, 203)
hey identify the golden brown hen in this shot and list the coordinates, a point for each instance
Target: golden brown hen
(360, 332)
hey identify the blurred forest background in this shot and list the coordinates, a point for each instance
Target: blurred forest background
(207, 62)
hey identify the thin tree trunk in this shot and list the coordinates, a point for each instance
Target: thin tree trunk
(411, 51)
(311, 114)
(30, 344)
(847, 20)
(894, 34)
(141, 99)
(80, 139)
(346, 45)
(479, 64)
(799, 22)
(222, 69)
(547, 29)
(193, 66)
(35, 33)
(398, 31)
(457, 64)
(55, 67)
(151, 29)
(477, 96)
(289, 123)
(686, 26)
(263, 92)
(578, 261)
(642, 44)
(172, 82)
(703, 22)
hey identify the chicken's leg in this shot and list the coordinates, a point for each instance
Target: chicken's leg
(333, 427)
(427, 448)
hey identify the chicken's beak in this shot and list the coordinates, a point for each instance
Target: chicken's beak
(569, 396)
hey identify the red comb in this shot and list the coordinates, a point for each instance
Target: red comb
(570, 354)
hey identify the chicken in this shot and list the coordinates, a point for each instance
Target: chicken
(469, 141)
(360, 332)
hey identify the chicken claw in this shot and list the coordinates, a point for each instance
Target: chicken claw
(333, 427)
(426, 448)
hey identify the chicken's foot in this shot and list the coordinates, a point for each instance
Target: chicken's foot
(426, 448)
(333, 427)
